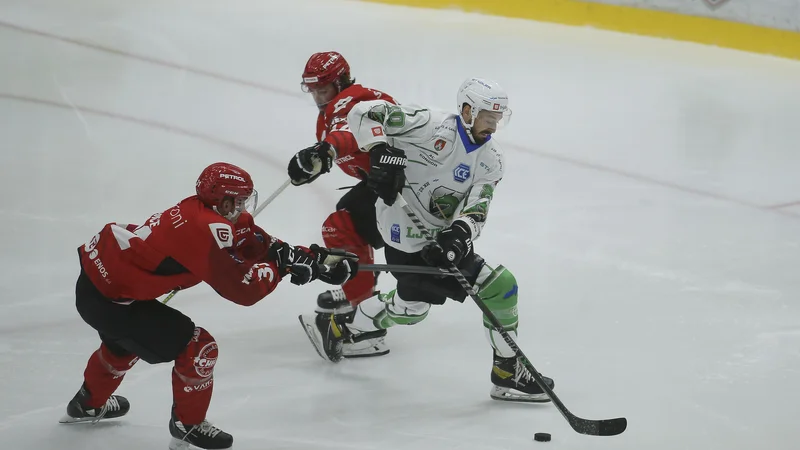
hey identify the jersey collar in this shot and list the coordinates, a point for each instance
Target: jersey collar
(468, 144)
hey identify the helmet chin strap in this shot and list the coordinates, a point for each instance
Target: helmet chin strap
(468, 126)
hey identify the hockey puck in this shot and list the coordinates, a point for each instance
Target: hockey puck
(541, 437)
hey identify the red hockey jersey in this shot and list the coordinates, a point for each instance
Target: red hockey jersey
(187, 244)
(332, 127)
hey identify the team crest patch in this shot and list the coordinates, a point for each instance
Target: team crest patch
(204, 363)
(439, 145)
(461, 173)
(377, 131)
(396, 233)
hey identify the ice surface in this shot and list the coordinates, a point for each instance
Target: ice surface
(647, 211)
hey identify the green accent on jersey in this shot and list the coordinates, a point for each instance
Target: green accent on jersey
(444, 202)
(432, 153)
(480, 209)
(408, 115)
(413, 232)
(396, 117)
(445, 206)
(377, 113)
(487, 191)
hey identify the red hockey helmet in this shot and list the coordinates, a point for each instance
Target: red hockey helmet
(221, 180)
(324, 68)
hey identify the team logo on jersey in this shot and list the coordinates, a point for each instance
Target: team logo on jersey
(439, 145)
(92, 243)
(461, 173)
(222, 234)
(444, 202)
(377, 131)
(396, 233)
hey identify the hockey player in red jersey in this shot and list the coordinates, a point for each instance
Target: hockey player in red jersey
(208, 237)
(326, 77)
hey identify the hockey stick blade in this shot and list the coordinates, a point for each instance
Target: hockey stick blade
(606, 427)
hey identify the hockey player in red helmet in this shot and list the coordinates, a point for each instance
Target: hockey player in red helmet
(351, 226)
(208, 237)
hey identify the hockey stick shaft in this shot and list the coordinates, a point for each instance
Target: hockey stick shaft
(258, 210)
(400, 268)
(272, 197)
(607, 427)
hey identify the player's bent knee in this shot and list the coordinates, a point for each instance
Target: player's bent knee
(199, 357)
(498, 289)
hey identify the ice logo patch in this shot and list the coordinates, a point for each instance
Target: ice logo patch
(396, 233)
(461, 173)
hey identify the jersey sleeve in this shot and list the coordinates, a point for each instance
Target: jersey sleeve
(205, 250)
(343, 143)
(379, 121)
(479, 197)
(338, 130)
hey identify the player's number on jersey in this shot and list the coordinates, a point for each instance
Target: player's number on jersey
(340, 127)
(342, 104)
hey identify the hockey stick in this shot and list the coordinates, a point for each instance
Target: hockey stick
(605, 427)
(255, 213)
(272, 197)
(401, 268)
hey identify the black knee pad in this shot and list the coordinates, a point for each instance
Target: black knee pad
(360, 203)
(436, 289)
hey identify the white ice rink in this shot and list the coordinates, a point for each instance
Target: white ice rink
(650, 211)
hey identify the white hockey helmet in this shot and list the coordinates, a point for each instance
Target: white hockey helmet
(481, 94)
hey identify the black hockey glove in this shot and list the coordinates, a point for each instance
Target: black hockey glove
(331, 256)
(336, 266)
(453, 245)
(386, 172)
(309, 163)
(338, 273)
(297, 261)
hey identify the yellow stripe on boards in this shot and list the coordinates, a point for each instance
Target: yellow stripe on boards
(625, 19)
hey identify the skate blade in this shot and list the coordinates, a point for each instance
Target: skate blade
(365, 355)
(512, 395)
(69, 419)
(359, 350)
(310, 327)
(178, 444)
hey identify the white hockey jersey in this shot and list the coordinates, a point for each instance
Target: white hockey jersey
(448, 178)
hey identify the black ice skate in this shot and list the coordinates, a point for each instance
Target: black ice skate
(333, 302)
(327, 333)
(203, 435)
(324, 337)
(514, 383)
(364, 345)
(77, 411)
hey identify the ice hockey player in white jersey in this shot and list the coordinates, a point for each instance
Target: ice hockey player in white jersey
(446, 166)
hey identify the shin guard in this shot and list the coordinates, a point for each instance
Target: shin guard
(498, 290)
(104, 373)
(193, 378)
